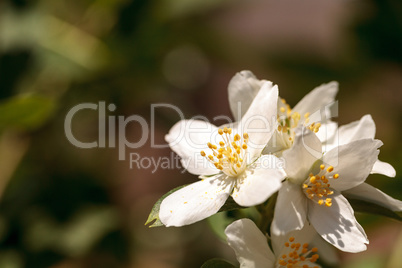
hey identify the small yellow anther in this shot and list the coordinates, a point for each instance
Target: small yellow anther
(305, 186)
(202, 153)
(291, 239)
(312, 179)
(320, 202)
(245, 136)
(306, 115)
(244, 146)
(220, 131)
(229, 130)
(314, 249)
(330, 168)
(336, 176)
(237, 137)
(282, 109)
(322, 167)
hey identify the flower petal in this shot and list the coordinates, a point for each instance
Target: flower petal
(371, 194)
(327, 132)
(383, 168)
(249, 244)
(260, 119)
(257, 184)
(242, 90)
(290, 209)
(188, 138)
(305, 151)
(337, 224)
(328, 253)
(317, 98)
(357, 130)
(195, 202)
(353, 162)
(276, 144)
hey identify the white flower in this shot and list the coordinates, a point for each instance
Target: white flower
(228, 160)
(312, 111)
(252, 250)
(313, 189)
(358, 130)
(365, 129)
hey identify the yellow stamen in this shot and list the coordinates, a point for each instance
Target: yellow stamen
(317, 188)
(293, 256)
(230, 156)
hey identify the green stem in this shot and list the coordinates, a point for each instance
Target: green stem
(267, 213)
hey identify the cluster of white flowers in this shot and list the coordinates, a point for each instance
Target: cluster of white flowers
(312, 166)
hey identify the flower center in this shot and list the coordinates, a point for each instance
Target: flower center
(317, 187)
(297, 253)
(230, 155)
(289, 120)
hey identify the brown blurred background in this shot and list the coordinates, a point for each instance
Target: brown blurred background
(62, 206)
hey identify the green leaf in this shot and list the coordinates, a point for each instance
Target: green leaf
(153, 218)
(371, 208)
(217, 263)
(25, 112)
(219, 222)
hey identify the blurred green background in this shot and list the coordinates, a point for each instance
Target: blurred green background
(62, 206)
